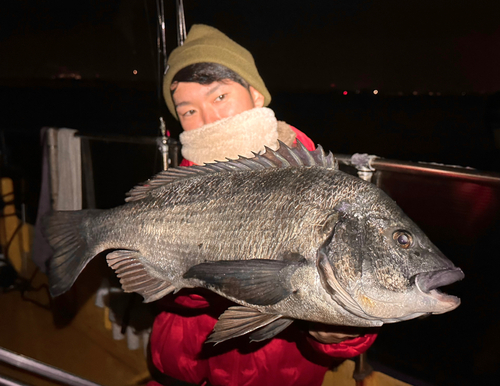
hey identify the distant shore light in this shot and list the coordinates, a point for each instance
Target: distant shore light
(134, 72)
(375, 92)
(345, 93)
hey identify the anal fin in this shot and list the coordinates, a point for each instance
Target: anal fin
(238, 320)
(271, 330)
(134, 277)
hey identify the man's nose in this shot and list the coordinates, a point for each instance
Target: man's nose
(210, 115)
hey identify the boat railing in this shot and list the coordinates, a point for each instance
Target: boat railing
(36, 367)
(366, 165)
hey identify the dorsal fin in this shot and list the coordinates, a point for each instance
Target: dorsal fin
(282, 158)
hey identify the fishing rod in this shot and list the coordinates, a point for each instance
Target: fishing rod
(163, 141)
(181, 23)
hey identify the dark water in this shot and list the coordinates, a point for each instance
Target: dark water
(458, 348)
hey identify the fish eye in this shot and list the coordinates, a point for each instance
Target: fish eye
(403, 238)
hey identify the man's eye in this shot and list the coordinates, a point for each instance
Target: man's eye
(188, 113)
(221, 97)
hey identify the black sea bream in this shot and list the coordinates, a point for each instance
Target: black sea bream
(286, 235)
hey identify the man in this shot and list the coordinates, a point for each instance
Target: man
(213, 87)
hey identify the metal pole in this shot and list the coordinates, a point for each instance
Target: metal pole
(468, 174)
(4, 381)
(54, 183)
(163, 144)
(42, 369)
(362, 369)
(181, 23)
(161, 42)
(425, 169)
(138, 140)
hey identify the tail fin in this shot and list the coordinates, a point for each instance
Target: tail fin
(71, 254)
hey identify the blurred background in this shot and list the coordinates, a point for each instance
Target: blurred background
(406, 80)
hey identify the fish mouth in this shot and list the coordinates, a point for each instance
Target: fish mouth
(429, 282)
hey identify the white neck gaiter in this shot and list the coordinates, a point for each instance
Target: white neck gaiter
(240, 134)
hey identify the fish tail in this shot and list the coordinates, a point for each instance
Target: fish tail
(71, 254)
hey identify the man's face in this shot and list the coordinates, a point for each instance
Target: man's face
(199, 104)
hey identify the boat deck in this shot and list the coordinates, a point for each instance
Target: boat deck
(79, 342)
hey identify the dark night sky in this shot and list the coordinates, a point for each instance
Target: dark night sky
(443, 46)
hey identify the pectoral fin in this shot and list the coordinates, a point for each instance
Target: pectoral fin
(259, 282)
(237, 321)
(134, 277)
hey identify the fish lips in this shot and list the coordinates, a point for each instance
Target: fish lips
(429, 282)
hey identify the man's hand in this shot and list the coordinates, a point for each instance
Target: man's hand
(327, 334)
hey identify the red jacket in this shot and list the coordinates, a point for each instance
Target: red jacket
(293, 357)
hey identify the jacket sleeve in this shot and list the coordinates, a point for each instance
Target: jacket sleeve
(186, 162)
(346, 349)
(306, 141)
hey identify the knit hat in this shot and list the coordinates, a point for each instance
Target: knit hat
(207, 44)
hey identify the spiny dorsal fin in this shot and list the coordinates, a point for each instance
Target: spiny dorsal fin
(282, 158)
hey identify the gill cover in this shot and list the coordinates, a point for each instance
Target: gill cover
(338, 258)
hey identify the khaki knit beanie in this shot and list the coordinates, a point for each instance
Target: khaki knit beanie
(207, 44)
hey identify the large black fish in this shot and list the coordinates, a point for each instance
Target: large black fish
(285, 234)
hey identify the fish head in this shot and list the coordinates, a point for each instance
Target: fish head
(385, 267)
